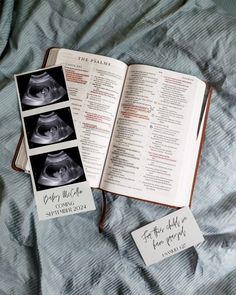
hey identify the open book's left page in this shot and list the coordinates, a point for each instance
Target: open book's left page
(95, 85)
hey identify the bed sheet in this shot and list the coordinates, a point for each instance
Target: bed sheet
(67, 255)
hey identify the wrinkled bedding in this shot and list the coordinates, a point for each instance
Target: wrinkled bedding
(67, 255)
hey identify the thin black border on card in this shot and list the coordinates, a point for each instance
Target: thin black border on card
(49, 128)
(41, 88)
(58, 168)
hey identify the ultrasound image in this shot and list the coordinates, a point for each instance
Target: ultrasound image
(41, 88)
(50, 127)
(57, 168)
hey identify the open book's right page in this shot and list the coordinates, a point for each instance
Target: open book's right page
(155, 142)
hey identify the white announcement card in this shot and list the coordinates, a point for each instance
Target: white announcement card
(167, 236)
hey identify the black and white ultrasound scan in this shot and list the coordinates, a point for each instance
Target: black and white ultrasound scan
(41, 88)
(58, 168)
(50, 127)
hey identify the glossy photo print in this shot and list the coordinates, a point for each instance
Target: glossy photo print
(49, 128)
(41, 88)
(58, 168)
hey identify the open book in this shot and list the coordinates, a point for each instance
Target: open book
(141, 127)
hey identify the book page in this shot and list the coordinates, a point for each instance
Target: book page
(95, 84)
(159, 110)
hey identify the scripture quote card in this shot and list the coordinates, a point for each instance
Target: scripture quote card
(52, 144)
(167, 236)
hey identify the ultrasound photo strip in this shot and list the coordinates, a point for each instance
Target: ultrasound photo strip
(59, 163)
(52, 145)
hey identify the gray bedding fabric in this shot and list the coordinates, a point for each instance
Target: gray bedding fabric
(67, 255)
